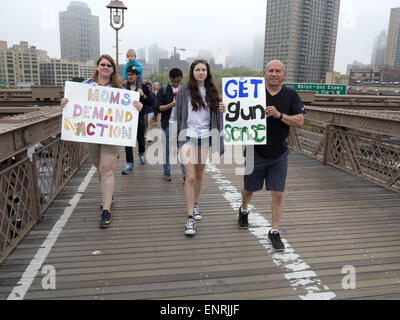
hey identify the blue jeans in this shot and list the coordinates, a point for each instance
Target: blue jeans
(166, 165)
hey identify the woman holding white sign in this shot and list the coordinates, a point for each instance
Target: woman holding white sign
(198, 109)
(104, 156)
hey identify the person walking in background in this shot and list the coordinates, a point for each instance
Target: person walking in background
(132, 62)
(284, 110)
(104, 156)
(150, 112)
(198, 109)
(156, 88)
(145, 99)
(166, 101)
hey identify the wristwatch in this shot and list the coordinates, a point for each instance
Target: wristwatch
(281, 116)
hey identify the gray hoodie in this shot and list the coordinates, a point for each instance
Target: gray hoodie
(182, 101)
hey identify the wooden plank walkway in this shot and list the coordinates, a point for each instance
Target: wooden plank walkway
(331, 219)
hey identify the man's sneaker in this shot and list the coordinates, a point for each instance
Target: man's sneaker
(243, 220)
(105, 219)
(167, 176)
(112, 202)
(196, 213)
(190, 228)
(142, 158)
(128, 169)
(276, 241)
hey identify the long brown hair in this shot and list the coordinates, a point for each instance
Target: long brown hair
(116, 81)
(212, 94)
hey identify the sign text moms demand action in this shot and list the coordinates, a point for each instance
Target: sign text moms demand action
(97, 114)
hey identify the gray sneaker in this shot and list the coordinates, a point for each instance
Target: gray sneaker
(190, 228)
(142, 158)
(128, 169)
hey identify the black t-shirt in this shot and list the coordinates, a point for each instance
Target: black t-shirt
(287, 101)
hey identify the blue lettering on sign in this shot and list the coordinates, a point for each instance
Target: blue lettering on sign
(241, 88)
(256, 82)
(233, 81)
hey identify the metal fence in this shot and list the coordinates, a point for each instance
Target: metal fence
(31, 179)
(359, 143)
(372, 157)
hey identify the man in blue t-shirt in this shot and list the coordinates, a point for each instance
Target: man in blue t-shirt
(284, 110)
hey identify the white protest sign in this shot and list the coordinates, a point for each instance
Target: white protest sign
(97, 114)
(244, 119)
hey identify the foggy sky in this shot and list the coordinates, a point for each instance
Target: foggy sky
(217, 25)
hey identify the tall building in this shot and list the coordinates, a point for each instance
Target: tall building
(258, 57)
(379, 50)
(19, 65)
(393, 41)
(79, 33)
(302, 34)
(155, 54)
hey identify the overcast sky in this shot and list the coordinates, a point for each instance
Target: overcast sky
(216, 25)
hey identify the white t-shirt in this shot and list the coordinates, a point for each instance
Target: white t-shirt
(172, 117)
(198, 122)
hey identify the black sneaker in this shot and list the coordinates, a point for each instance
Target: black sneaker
(243, 220)
(167, 176)
(105, 219)
(276, 241)
(190, 228)
(112, 202)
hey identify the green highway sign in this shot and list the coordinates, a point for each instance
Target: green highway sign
(334, 89)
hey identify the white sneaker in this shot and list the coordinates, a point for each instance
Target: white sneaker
(196, 213)
(190, 228)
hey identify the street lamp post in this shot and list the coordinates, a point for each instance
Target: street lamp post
(117, 20)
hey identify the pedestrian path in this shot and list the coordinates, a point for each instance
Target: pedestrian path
(332, 221)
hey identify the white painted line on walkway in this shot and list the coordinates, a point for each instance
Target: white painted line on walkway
(19, 291)
(297, 272)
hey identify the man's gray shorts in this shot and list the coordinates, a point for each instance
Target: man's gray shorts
(272, 171)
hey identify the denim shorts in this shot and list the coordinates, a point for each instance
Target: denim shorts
(198, 142)
(272, 171)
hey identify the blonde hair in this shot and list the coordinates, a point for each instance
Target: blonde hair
(131, 51)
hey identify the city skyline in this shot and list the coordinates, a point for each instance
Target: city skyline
(233, 25)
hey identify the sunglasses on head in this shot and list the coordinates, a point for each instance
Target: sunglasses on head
(200, 61)
(105, 65)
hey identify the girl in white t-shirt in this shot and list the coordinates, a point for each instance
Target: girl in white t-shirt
(198, 115)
